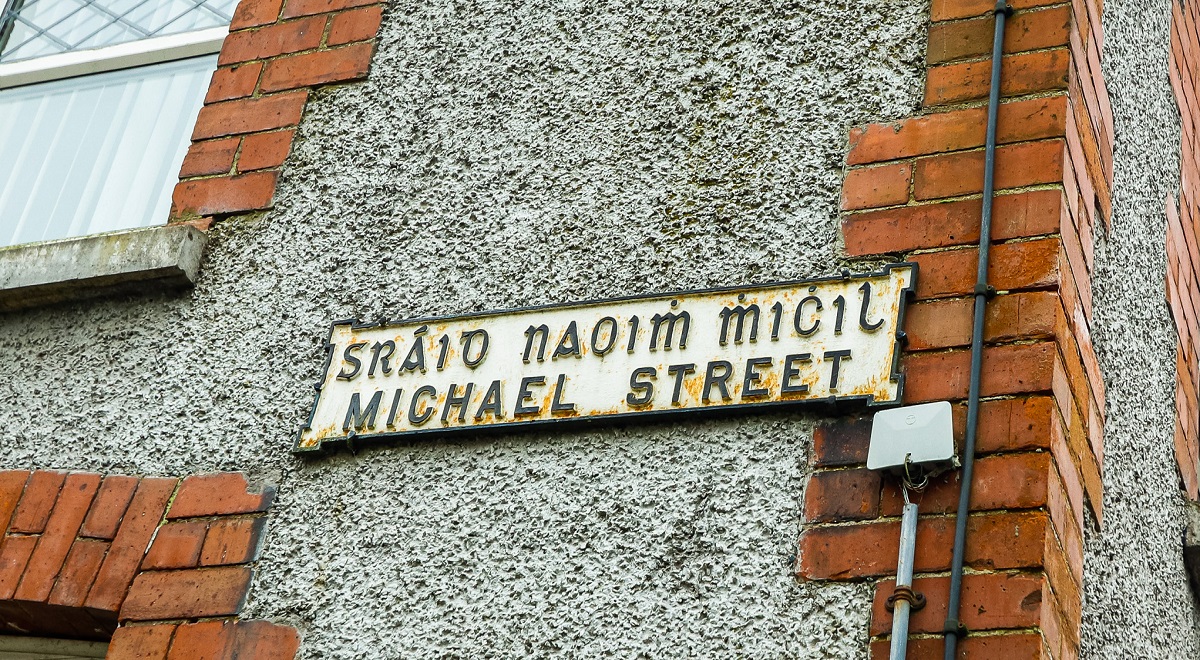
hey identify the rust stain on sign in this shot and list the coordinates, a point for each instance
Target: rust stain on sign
(823, 340)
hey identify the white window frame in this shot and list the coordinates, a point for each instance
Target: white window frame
(126, 55)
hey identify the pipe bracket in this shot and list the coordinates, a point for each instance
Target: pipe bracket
(916, 600)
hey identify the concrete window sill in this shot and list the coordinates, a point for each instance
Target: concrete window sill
(119, 262)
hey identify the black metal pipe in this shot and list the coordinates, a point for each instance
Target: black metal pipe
(953, 628)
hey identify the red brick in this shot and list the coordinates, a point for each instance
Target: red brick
(1004, 481)
(355, 25)
(1016, 369)
(141, 642)
(14, 557)
(278, 39)
(1033, 30)
(263, 150)
(1018, 121)
(252, 13)
(882, 185)
(946, 224)
(232, 541)
(1012, 424)
(133, 537)
(1011, 266)
(1017, 165)
(233, 82)
(223, 195)
(1026, 73)
(219, 494)
(998, 541)
(12, 484)
(176, 545)
(187, 594)
(990, 601)
(208, 640)
(264, 640)
(946, 10)
(1067, 471)
(250, 115)
(38, 499)
(209, 157)
(78, 573)
(322, 67)
(54, 544)
(947, 323)
(841, 441)
(309, 7)
(842, 495)
(108, 507)
(1023, 646)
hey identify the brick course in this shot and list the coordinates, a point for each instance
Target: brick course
(275, 54)
(137, 559)
(912, 192)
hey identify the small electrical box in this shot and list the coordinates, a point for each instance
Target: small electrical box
(921, 435)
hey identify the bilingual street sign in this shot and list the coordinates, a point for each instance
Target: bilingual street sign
(826, 340)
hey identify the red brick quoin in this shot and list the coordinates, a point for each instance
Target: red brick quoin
(276, 53)
(1183, 244)
(162, 566)
(913, 192)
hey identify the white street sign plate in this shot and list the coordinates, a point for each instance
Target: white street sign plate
(824, 340)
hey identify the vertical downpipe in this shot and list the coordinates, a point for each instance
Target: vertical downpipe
(953, 628)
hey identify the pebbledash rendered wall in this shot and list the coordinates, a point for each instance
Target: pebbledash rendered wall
(501, 155)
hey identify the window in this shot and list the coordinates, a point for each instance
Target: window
(97, 102)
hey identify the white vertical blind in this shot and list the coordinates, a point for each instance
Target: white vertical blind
(96, 153)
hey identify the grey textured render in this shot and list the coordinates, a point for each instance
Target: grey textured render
(1137, 603)
(512, 154)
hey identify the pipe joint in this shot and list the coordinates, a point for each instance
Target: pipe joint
(1002, 7)
(954, 627)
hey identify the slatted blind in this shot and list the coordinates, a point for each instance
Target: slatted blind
(96, 153)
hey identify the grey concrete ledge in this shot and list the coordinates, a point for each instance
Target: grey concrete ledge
(128, 261)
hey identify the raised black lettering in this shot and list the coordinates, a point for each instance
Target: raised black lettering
(491, 403)
(378, 358)
(741, 313)
(444, 340)
(357, 417)
(777, 310)
(418, 418)
(840, 304)
(749, 391)
(799, 319)
(835, 370)
(636, 384)
(712, 377)
(670, 319)
(348, 357)
(525, 395)
(679, 371)
(557, 405)
(468, 340)
(544, 331)
(633, 326)
(459, 402)
(415, 360)
(612, 336)
(568, 344)
(862, 311)
(395, 407)
(790, 373)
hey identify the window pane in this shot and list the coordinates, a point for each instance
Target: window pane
(45, 27)
(97, 153)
